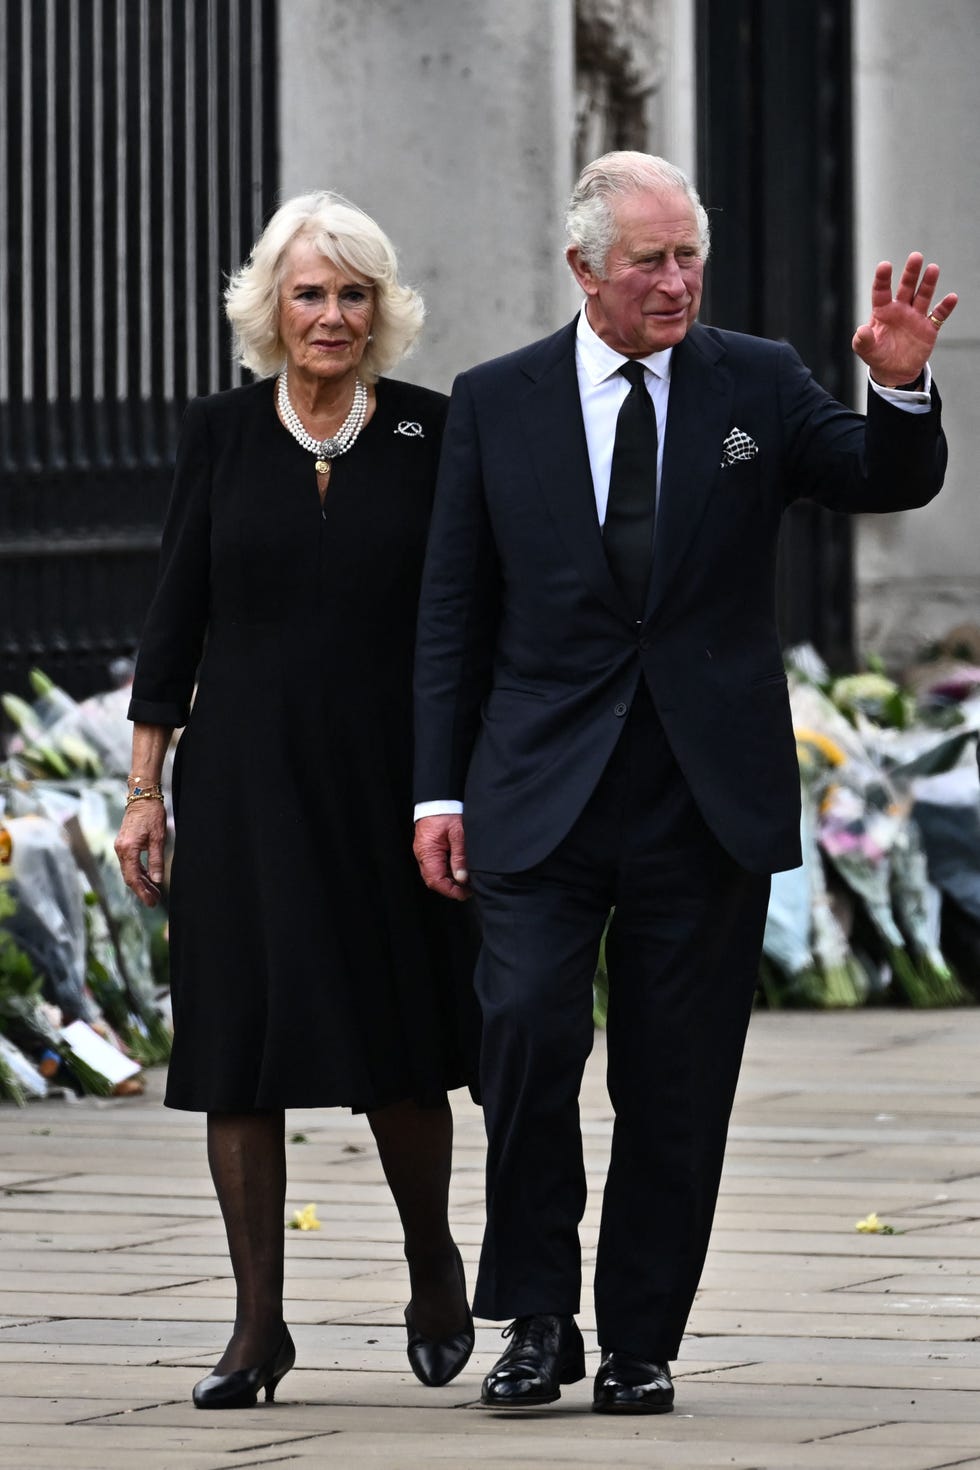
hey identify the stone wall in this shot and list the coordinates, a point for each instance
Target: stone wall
(918, 187)
(451, 122)
(461, 124)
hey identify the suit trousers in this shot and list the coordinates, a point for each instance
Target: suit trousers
(682, 953)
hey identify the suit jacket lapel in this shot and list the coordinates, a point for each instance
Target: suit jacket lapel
(552, 414)
(698, 416)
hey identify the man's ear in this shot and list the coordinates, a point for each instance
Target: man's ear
(582, 271)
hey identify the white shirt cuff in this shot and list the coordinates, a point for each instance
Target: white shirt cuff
(918, 401)
(437, 809)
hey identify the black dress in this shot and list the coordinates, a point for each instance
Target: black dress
(310, 965)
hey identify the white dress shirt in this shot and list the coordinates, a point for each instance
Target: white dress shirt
(602, 389)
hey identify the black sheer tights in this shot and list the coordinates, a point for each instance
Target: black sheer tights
(247, 1157)
(416, 1146)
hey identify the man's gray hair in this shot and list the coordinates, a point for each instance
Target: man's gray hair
(590, 221)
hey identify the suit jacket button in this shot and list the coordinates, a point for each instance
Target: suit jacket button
(621, 709)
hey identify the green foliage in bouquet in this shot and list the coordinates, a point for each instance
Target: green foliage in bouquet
(928, 980)
(159, 951)
(876, 697)
(136, 1022)
(21, 1009)
(46, 752)
(10, 1088)
(600, 983)
(17, 979)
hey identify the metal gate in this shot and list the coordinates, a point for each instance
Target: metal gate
(138, 143)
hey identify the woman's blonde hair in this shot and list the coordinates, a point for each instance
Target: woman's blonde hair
(352, 242)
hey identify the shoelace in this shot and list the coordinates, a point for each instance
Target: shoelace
(527, 1331)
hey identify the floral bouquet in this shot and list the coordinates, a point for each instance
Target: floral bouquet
(856, 775)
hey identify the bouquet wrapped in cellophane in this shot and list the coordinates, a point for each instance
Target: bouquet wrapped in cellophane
(861, 920)
(75, 946)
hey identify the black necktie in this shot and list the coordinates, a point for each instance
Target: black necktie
(628, 530)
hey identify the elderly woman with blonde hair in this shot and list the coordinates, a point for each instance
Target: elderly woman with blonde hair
(311, 967)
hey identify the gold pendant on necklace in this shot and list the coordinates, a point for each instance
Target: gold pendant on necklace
(323, 466)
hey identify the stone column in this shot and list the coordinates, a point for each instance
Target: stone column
(451, 121)
(917, 183)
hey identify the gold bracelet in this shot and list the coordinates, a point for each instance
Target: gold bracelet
(144, 794)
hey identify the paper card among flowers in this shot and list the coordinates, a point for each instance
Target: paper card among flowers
(100, 1054)
(737, 446)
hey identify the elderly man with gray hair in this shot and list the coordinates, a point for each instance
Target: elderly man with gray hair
(603, 727)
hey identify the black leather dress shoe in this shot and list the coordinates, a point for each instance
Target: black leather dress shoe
(628, 1385)
(241, 1389)
(544, 1351)
(437, 1360)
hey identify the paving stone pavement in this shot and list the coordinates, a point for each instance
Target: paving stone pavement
(811, 1346)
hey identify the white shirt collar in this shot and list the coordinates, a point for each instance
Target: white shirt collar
(601, 361)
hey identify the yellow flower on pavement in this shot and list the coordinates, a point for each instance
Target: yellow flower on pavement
(305, 1219)
(871, 1225)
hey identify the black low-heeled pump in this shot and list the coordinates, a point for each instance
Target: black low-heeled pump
(436, 1361)
(241, 1389)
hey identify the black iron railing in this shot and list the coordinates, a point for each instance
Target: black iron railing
(775, 170)
(138, 143)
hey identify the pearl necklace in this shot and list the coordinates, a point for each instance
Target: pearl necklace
(324, 449)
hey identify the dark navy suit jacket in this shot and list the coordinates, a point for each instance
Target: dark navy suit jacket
(527, 657)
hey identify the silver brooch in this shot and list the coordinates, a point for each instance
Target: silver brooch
(410, 429)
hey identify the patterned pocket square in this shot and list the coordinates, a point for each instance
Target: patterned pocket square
(738, 445)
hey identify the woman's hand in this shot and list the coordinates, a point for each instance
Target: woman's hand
(144, 824)
(143, 830)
